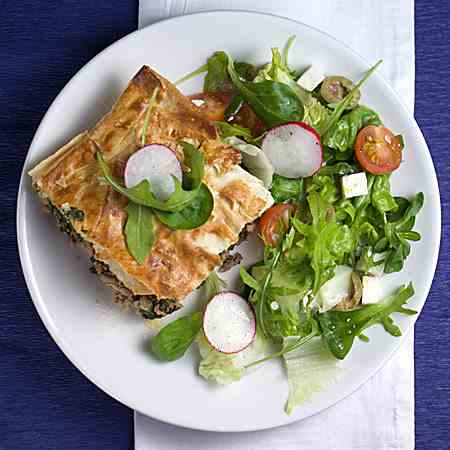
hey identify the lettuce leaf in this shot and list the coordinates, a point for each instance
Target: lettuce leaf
(326, 242)
(225, 369)
(284, 189)
(316, 115)
(310, 369)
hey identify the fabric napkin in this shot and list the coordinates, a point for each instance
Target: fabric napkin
(380, 415)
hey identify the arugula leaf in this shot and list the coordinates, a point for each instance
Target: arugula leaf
(174, 339)
(273, 102)
(192, 74)
(339, 328)
(248, 279)
(262, 293)
(139, 232)
(275, 279)
(342, 135)
(184, 193)
(396, 257)
(342, 105)
(195, 214)
(398, 232)
(284, 189)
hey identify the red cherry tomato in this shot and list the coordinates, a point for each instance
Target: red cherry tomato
(275, 222)
(378, 150)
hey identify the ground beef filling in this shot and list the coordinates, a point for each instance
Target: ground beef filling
(229, 260)
(149, 306)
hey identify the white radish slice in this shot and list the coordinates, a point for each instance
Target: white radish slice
(156, 163)
(294, 149)
(229, 323)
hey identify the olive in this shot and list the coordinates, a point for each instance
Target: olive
(335, 88)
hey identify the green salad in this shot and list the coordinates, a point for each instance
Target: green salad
(334, 230)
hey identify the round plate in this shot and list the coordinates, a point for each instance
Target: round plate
(111, 347)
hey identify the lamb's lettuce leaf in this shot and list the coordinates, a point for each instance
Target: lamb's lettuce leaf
(382, 199)
(342, 135)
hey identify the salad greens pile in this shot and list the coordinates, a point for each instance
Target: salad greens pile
(312, 233)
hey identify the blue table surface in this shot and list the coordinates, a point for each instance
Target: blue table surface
(45, 402)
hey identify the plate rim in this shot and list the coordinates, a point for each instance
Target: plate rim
(45, 316)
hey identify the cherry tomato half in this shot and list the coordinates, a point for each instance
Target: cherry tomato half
(275, 222)
(378, 150)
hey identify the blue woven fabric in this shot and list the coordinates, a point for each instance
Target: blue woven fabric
(45, 402)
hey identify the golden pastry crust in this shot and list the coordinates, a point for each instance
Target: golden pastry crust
(179, 260)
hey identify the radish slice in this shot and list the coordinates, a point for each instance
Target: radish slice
(156, 163)
(229, 323)
(294, 149)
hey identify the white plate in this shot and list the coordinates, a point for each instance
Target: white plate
(109, 347)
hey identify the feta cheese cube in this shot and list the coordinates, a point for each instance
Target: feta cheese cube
(371, 290)
(354, 185)
(310, 79)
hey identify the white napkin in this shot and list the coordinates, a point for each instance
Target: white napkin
(380, 415)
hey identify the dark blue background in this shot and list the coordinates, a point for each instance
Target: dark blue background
(45, 403)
